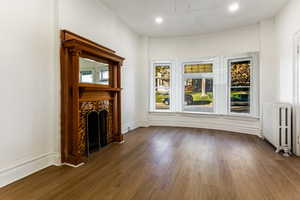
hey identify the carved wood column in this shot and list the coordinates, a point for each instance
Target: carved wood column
(118, 137)
(119, 106)
(75, 54)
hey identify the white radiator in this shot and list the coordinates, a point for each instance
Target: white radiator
(278, 126)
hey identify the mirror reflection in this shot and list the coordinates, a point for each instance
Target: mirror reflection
(93, 72)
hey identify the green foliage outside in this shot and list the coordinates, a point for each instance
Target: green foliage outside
(160, 97)
(197, 96)
(237, 93)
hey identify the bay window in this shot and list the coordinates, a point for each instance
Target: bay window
(218, 85)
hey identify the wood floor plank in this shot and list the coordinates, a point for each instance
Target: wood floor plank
(161, 163)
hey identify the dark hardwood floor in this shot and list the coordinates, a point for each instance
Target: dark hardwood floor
(170, 163)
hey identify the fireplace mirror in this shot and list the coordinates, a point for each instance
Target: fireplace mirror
(94, 72)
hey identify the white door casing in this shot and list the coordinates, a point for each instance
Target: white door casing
(296, 95)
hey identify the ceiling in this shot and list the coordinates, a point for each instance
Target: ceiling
(189, 17)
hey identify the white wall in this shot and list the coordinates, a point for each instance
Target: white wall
(269, 75)
(227, 43)
(143, 80)
(27, 80)
(288, 24)
(269, 68)
(230, 42)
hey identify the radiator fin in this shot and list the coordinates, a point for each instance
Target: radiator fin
(283, 128)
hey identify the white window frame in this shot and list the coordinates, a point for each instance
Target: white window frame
(221, 85)
(184, 76)
(155, 63)
(254, 83)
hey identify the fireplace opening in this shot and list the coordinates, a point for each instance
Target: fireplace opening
(96, 131)
(103, 127)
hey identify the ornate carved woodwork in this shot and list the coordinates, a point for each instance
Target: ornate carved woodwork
(77, 99)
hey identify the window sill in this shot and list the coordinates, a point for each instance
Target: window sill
(197, 114)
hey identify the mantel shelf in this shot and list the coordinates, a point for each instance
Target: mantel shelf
(98, 87)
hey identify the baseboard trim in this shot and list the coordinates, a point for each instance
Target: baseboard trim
(242, 130)
(25, 168)
(250, 129)
(74, 166)
(232, 126)
(133, 125)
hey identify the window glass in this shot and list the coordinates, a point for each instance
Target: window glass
(240, 86)
(198, 95)
(104, 75)
(86, 76)
(162, 87)
(198, 68)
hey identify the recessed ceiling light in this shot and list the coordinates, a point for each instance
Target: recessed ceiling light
(159, 20)
(234, 7)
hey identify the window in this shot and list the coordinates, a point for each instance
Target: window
(162, 83)
(240, 86)
(86, 76)
(103, 77)
(218, 85)
(198, 87)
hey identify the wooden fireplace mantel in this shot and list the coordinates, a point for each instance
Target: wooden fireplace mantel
(75, 94)
(98, 87)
